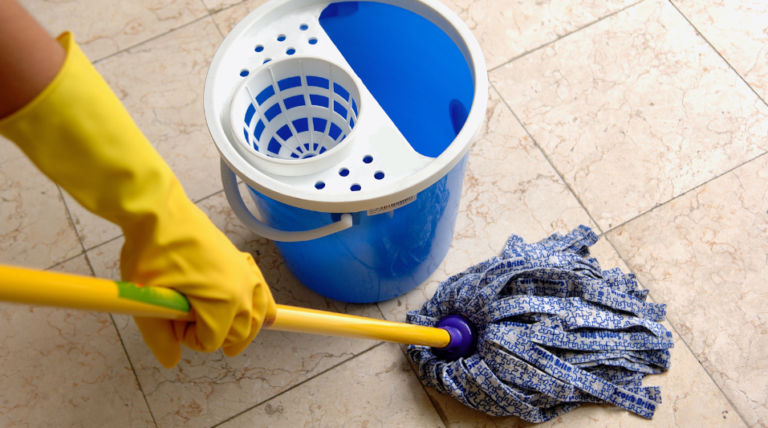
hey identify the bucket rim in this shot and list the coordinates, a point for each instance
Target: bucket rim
(397, 191)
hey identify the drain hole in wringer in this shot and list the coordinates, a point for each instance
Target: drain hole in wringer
(297, 108)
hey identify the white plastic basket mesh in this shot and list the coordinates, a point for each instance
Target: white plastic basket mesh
(296, 108)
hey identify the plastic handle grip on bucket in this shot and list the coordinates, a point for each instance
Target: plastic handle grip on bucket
(235, 200)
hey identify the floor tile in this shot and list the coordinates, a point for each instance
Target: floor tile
(227, 19)
(604, 252)
(376, 389)
(217, 5)
(509, 188)
(92, 229)
(65, 368)
(103, 28)
(506, 29)
(161, 84)
(77, 265)
(737, 29)
(35, 229)
(105, 259)
(704, 254)
(206, 389)
(635, 110)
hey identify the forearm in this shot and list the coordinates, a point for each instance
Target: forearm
(57, 108)
(29, 57)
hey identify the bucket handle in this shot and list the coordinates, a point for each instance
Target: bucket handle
(229, 180)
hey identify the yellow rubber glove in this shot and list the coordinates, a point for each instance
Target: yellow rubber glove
(79, 134)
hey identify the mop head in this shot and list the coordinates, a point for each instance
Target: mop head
(553, 331)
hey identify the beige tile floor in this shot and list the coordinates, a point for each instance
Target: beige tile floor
(644, 119)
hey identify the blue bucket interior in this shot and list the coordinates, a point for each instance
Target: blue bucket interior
(414, 70)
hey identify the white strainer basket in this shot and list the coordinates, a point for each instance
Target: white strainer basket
(295, 109)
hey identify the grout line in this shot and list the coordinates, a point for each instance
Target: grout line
(80, 238)
(221, 33)
(143, 42)
(101, 244)
(90, 265)
(216, 24)
(135, 375)
(71, 219)
(58, 263)
(207, 10)
(535, 143)
(114, 324)
(297, 385)
(438, 409)
(239, 182)
(381, 312)
(77, 233)
(240, 2)
(211, 13)
(686, 192)
(727, 398)
(204, 198)
(564, 36)
(717, 52)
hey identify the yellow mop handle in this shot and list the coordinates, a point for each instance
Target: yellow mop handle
(34, 287)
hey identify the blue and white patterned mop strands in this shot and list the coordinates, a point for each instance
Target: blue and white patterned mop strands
(553, 331)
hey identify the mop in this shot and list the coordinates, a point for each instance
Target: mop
(534, 333)
(550, 331)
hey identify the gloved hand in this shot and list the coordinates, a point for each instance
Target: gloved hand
(79, 134)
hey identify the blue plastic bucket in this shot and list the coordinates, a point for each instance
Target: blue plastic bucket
(354, 225)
